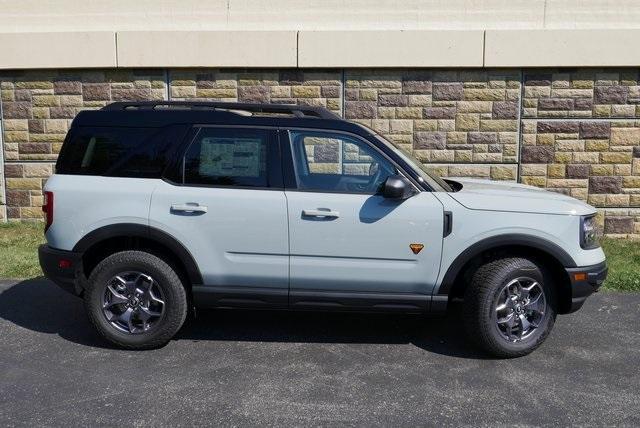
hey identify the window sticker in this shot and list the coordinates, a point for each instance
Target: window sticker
(232, 157)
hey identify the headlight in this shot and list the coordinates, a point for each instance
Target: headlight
(588, 232)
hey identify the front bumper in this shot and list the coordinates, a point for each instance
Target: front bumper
(53, 262)
(585, 281)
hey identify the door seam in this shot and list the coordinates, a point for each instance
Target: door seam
(286, 203)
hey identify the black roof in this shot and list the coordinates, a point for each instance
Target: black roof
(163, 113)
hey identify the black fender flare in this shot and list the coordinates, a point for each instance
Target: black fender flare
(513, 239)
(143, 231)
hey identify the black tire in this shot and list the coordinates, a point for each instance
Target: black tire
(481, 298)
(171, 287)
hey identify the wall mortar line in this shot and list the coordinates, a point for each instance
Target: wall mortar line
(19, 161)
(115, 36)
(3, 188)
(519, 129)
(484, 49)
(297, 49)
(167, 82)
(344, 93)
(470, 163)
(581, 119)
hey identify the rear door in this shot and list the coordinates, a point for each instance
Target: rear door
(348, 243)
(226, 204)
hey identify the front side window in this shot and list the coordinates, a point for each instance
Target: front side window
(228, 157)
(336, 162)
(434, 181)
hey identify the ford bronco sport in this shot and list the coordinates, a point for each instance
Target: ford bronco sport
(158, 207)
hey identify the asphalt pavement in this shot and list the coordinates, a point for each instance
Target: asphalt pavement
(286, 368)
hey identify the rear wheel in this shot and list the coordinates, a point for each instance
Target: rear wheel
(135, 300)
(509, 307)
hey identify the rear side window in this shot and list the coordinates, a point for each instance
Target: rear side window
(117, 152)
(228, 157)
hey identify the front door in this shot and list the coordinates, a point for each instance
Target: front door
(345, 238)
(228, 209)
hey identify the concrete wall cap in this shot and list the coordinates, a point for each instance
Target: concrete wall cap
(561, 48)
(57, 50)
(321, 49)
(207, 49)
(390, 48)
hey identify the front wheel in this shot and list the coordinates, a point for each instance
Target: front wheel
(135, 300)
(509, 307)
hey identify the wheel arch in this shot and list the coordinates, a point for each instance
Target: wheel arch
(123, 236)
(554, 258)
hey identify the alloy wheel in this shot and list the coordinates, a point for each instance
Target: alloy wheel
(519, 309)
(133, 302)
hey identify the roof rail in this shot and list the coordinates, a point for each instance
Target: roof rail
(294, 109)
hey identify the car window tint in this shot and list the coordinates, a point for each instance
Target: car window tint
(228, 157)
(338, 163)
(115, 152)
(151, 158)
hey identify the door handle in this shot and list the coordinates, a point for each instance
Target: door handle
(320, 213)
(190, 207)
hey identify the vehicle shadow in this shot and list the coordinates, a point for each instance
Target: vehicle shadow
(39, 305)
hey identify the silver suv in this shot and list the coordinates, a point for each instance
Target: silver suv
(156, 208)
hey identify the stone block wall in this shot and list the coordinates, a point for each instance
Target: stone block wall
(324, 155)
(314, 88)
(580, 135)
(574, 131)
(589, 160)
(461, 122)
(442, 116)
(336, 156)
(37, 109)
(3, 200)
(581, 93)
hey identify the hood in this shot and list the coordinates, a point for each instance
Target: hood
(513, 197)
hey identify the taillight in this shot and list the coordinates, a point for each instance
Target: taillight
(47, 208)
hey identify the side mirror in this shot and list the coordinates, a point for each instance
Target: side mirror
(397, 187)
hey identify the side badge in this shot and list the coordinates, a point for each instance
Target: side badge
(416, 248)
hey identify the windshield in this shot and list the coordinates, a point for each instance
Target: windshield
(435, 182)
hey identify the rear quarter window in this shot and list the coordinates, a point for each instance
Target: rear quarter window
(117, 152)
